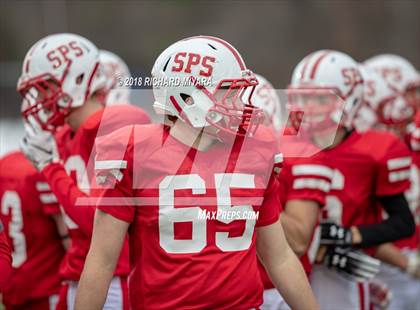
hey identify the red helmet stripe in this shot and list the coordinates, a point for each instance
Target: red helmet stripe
(176, 105)
(230, 47)
(179, 109)
(317, 62)
(87, 93)
(305, 65)
(27, 65)
(27, 62)
(29, 56)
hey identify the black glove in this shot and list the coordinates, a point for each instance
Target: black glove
(333, 234)
(352, 264)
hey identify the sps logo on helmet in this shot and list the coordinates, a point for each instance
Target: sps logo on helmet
(352, 77)
(58, 56)
(193, 60)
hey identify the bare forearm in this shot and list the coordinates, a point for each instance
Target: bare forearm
(294, 234)
(107, 240)
(390, 254)
(296, 291)
(280, 263)
(298, 220)
(93, 285)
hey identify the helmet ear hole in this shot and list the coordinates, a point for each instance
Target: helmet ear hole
(187, 99)
(80, 78)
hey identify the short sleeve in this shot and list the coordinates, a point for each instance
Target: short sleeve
(393, 172)
(306, 179)
(113, 190)
(271, 206)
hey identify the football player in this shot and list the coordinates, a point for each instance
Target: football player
(327, 88)
(397, 114)
(178, 188)
(304, 183)
(65, 91)
(303, 178)
(5, 259)
(36, 231)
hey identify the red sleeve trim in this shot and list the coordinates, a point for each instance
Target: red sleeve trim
(269, 221)
(121, 216)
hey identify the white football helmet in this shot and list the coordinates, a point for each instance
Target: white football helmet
(266, 98)
(116, 71)
(201, 80)
(377, 97)
(59, 73)
(404, 81)
(327, 87)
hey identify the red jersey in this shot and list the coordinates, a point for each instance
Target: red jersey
(413, 193)
(366, 166)
(302, 178)
(413, 198)
(70, 181)
(26, 207)
(193, 215)
(5, 259)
